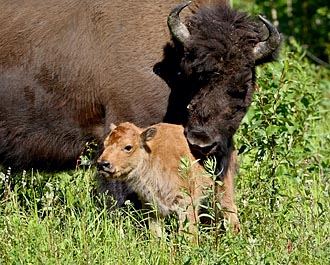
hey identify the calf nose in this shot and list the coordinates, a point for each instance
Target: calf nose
(103, 165)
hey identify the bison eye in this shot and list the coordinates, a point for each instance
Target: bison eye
(191, 107)
(128, 148)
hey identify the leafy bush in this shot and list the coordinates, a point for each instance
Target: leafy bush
(284, 176)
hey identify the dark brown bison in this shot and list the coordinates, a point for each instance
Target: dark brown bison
(149, 161)
(69, 68)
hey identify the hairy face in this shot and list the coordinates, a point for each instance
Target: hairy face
(220, 64)
(224, 88)
(125, 149)
(216, 110)
(122, 152)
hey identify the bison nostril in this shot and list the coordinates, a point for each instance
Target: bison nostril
(201, 141)
(204, 148)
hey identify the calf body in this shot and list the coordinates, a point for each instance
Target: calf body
(149, 161)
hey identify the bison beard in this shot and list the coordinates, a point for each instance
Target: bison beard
(68, 69)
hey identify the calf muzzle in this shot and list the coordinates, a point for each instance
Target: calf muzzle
(105, 166)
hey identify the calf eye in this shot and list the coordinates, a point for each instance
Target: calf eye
(128, 148)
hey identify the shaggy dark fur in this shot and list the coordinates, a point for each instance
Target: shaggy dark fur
(218, 57)
(69, 68)
(214, 75)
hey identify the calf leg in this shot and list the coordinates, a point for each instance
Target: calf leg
(225, 194)
(156, 227)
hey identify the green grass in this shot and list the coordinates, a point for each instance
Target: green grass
(282, 193)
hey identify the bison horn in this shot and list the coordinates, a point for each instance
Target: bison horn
(178, 30)
(265, 48)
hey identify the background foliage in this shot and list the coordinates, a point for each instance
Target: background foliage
(306, 21)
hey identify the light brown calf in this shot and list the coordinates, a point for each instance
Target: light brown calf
(149, 161)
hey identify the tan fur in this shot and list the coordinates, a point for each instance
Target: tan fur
(151, 168)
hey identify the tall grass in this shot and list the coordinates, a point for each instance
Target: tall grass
(282, 193)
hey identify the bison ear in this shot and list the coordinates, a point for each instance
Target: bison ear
(112, 126)
(148, 134)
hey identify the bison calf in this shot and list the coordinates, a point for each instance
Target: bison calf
(149, 161)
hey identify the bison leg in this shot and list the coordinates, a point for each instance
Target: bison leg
(225, 195)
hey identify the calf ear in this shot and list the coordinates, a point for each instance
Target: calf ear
(148, 134)
(112, 126)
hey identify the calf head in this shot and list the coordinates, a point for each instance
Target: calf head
(125, 148)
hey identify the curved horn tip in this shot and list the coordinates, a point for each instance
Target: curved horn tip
(272, 29)
(263, 18)
(267, 47)
(268, 24)
(176, 10)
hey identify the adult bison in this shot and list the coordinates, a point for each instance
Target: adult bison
(69, 68)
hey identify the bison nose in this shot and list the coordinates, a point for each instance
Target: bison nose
(200, 141)
(105, 166)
